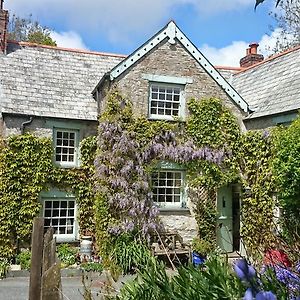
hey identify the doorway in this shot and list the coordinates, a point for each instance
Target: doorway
(228, 225)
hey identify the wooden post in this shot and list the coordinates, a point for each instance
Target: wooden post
(37, 245)
(49, 250)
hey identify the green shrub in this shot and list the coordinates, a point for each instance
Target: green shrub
(4, 265)
(92, 266)
(202, 246)
(215, 281)
(67, 254)
(24, 259)
(130, 254)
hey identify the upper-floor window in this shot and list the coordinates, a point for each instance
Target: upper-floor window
(66, 147)
(166, 101)
(168, 188)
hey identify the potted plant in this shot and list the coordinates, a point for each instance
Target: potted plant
(201, 248)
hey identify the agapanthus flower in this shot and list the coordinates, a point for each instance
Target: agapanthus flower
(248, 294)
(243, 270)
(262, 295)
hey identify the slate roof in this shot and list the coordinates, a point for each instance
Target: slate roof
(272, 86)
(50, 81)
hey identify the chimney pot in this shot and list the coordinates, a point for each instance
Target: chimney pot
(3, 27)
(253, 48)
(252, 57)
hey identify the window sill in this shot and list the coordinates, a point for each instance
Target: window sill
(65, 239)
(62, 166)
(174, 210)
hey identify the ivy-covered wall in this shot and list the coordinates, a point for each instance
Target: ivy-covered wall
(210, 146)
(26, 169)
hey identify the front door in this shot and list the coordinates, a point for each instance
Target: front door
(225, 220)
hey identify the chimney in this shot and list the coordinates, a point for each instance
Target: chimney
(3, 27)
(251, 57)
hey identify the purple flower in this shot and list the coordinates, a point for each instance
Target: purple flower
(265, 296)
(243, 270)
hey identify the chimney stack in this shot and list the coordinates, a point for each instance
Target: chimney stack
(3, 27)
(251, 57)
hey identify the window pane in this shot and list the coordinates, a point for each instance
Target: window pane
(47, 213)
(154, 96)
(55, 213)
(48, 204)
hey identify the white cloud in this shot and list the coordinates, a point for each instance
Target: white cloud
(231, 54)
(69, 39)
(117, 19)
(227, 56)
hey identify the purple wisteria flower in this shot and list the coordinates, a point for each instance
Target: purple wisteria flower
(243, 270)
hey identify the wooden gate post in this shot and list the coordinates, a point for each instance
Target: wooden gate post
(37, 245)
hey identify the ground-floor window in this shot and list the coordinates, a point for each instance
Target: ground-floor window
(61, 215)
(168, 188)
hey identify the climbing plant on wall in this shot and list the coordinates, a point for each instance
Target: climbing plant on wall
(209, 146)
(26, 169)
(286, 166)
(258, 202)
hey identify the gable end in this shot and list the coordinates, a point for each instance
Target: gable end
(172, 32)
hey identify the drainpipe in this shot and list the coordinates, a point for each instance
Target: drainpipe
(24, 124)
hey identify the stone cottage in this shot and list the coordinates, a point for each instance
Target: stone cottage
(59, 93)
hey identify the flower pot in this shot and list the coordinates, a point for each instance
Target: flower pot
(198, 259)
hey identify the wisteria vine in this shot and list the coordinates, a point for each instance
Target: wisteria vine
(122, 173)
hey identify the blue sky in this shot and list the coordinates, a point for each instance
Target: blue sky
(221, 29)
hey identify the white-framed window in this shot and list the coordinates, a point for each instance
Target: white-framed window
(66, 147)
(166, 101)
(168, 188)
(61, 215)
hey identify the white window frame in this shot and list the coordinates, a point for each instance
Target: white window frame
(62, 237)
(156, 187)
(181, 102)
(61, 163)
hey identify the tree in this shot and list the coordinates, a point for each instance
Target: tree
(26, 30)
(288, 21)
(257, 2)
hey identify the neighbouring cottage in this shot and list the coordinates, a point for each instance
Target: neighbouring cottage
(59, 93)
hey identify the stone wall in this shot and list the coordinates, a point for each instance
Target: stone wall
(182, 222)
(40, 126)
